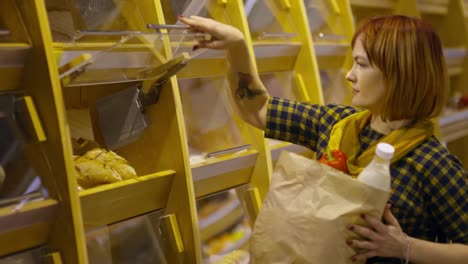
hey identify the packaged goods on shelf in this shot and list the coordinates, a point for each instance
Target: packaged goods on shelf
(234, 238)
(99, 166)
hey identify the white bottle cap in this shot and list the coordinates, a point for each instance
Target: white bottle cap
(385, 151)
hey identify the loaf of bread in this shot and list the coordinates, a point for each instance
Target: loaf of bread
(99, 166)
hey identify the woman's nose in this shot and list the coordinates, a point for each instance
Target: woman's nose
(350, 76)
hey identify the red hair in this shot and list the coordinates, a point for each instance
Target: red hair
(409, 54)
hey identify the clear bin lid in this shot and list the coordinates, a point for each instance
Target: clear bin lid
(211, 125)
(31, 256)
(68, 17)
(19, 181)
(142, 239)
(325, 21)
(281, 84)
(203, 8)
(269, 21)
(137, 56)
(109, 41)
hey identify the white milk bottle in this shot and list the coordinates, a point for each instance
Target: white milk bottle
(377, 172)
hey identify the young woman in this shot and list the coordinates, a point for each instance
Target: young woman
(399, 82)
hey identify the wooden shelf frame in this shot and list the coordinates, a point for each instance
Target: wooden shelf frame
(33, 220)
(162, 153)
(115, 202)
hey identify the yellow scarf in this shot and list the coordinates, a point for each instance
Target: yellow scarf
(345, 137)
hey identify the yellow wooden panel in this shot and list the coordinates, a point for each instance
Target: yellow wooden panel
(162, 146)
(118, 201)
(253, 203)
(260, 175)
(275, 64)
(54, 258)
(13, 57)
(433, 9)
(331, 62)
(374, 4)
(27, 237)
(301, 88)
(458, 35)
(200, 68)
(406, 7)
(10, 78)
(42, 83)
(222, 182)
(169, 222)
(459, 149)
(97, 46)
(27, 226)
(33, 125)
(11, 19)
(306, 64)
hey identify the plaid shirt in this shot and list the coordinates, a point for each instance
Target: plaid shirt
(429, 185)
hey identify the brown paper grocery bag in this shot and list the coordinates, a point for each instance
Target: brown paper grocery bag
(306, 213)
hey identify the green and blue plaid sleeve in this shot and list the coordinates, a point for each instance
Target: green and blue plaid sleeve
(304, 124)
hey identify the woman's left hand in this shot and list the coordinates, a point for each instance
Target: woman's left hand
(383, 240)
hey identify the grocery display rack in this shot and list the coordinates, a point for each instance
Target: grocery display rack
(65, 62)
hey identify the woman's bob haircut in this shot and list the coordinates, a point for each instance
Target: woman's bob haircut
(409, 54)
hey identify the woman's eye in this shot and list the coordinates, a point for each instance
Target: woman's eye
(361, 64)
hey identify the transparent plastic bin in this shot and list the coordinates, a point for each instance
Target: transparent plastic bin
(224, 227)
(187, 8)
(138, 240)
(66, 18)
(111, 41)
(115, 64)
(12, 29)
(364, 9)
(433, 7)
(273, 33)
(281, 84)
(334, 85)
(20, 182)
(32, 256)
(14, 45)
(181, 43)
(212, 127)
(325, 21)
(264, 18)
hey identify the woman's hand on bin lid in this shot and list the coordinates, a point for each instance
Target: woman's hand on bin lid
(222, 36)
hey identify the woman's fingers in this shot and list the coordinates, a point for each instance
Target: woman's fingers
(389, 218)
(221, 34)
(364, 232)
(375, 223)
(200, 24)
(379, 239)
(362, 244)
(367, 249)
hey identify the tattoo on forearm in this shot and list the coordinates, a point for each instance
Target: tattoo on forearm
(243, 89)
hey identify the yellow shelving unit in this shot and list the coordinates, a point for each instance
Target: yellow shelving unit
(331, 26)
(125, 52)
(66, 64)
(15, 45)
(52, 220)
(443, 15)
(223, 152)
(284, 55)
